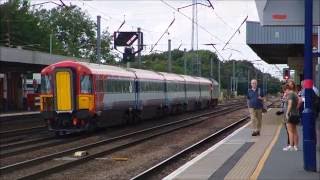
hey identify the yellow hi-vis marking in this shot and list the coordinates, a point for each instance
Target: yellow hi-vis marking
(63, 89)
(265, 156)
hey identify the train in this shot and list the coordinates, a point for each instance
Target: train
(80, 96)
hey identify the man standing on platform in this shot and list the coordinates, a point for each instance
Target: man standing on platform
(255, 105)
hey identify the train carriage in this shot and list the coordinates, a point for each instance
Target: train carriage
(115, 94)
(175, 92)
(150, 93)
(205, 92)
(192, 92)
(215, 92)
(62, 94)
(77, 96)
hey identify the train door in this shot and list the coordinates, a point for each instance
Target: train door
(166, 100)
(63, 82)
(137, 93)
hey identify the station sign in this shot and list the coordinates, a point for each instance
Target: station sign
(285, 12)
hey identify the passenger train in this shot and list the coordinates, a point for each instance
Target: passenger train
(80, 96)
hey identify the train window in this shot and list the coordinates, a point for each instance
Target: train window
(45, 84)
(86, 84)
(149, 86)
(109, 85)
(193, 87)
(118, 86)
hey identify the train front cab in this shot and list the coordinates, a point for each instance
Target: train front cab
(67, 100)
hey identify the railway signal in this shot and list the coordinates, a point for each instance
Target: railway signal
(286, 73)
(127, 39)
(128, 54)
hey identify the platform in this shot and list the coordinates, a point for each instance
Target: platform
(242, 156)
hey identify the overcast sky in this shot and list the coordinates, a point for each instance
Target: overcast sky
(153, 16)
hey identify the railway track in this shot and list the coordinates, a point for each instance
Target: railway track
(20, 146)
(17, 132)
(158, 167)
(151, 172)
(20, 131)
(13, 136)
(105, 146)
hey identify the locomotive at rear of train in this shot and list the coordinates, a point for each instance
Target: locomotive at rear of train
(79, 96)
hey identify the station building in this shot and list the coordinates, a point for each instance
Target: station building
(279, 36)
(16, 65)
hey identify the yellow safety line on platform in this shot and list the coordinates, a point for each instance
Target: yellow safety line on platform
(265, 156)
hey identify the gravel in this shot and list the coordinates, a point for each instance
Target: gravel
(142, 156)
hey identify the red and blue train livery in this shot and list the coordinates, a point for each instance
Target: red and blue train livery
(79, 96)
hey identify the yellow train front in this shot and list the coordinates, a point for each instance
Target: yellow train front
(67, 100)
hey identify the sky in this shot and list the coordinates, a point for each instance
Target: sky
(154, 16)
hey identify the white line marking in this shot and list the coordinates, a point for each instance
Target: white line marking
(175, 173)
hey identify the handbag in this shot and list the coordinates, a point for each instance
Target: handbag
(294, 118)
(264, 106)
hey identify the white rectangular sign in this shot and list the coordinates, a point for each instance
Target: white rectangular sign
(285, 12)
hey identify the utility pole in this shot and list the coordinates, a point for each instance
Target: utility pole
(233, 76)
(50, 50)
(199, 65)
(139, 46)
(197, 38)
(236, 85)
(211, 70)
(169, 56)
(219, 77)
(185, 61)
(231, 84)
(192, 26)
(98, 40)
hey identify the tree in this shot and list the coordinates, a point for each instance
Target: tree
(158, 62)
(21, 27)
(72, 30)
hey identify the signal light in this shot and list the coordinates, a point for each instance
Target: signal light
(128, 54)
(75, 121)
(286, 73)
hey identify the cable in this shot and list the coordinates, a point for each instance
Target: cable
(142, 28)
(219, 17)
(237, 30)
(163, 34)
(204, 29)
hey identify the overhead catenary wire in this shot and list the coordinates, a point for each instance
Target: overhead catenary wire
(166, 31)
(237, 30)
(219, 17)
(123, 22)
(189, 18)
(119, 20)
